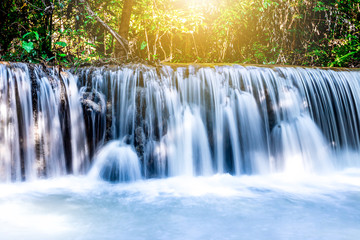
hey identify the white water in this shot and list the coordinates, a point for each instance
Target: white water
(290, 137)
(218, 207)
(116, 162)
(41, 124)
(231, 119)
(185, 121)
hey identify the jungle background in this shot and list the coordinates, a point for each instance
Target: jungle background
(74, 32)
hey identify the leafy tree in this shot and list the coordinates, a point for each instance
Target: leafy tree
(73, 32)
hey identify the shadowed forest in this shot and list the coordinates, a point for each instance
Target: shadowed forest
(76, 32)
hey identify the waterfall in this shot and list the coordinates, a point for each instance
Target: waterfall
(231, 119)
(139, 121)
(116, 162)
(42, 127)
(16, 130)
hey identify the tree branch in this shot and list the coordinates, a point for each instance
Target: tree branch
(123, 42)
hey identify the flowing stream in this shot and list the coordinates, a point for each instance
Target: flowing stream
(140, 152)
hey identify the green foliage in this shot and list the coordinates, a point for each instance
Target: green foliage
(319, 33)
(143, 45)
(27, 46)
(31, 34)
(61, 44)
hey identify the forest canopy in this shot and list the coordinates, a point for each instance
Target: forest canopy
(73, 32)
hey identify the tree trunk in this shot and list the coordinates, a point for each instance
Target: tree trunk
(46, 31)
(122, 41)
(125, 18)
(124, 25)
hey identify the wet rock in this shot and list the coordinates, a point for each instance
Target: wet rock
(109, 132)
(155, 160)
(94, 110)
(139, 141)
(93, 102)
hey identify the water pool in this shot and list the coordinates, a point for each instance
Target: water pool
(276, 206)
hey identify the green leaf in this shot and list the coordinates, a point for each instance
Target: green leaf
(143, 45)
(49, 59)
(36, 35)
(31, 33)
(27, 46)
(90, 44)
(62, 55)
(62, 44)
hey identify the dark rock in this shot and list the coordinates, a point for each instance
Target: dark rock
(93, 102)
(94, 110)
(109, 132)
(139, 141)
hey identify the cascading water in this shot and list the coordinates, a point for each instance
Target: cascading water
(184, 121)
(233, 152)
(116, 162)
(238, 120)
(42, 130)
(15, 93)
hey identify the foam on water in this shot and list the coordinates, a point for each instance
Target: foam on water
(197, 153)
(116, 162)
(221, 206)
